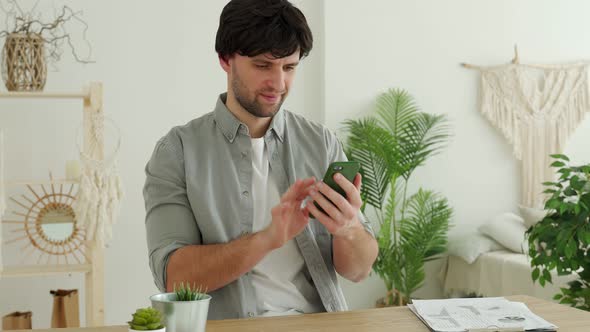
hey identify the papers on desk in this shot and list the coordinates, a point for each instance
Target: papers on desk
(478, 314)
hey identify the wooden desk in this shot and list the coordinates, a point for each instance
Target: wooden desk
(386, 319)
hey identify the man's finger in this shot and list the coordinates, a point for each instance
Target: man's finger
(338, 200)
(351, 188)
(297, 189)
(321, 217)
(305, 211)
(331, 210)
(358, 181)
(343, 182)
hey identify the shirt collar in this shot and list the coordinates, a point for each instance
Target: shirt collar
(230, 125)
(277, 125)
(226, 121)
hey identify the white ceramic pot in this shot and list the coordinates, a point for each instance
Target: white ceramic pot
(158, 330)
(182, 316)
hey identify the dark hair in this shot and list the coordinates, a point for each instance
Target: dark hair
(253, 27)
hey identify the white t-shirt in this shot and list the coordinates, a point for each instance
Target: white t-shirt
(275, 276)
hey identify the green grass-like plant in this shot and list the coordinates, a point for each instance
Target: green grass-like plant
(185, 292)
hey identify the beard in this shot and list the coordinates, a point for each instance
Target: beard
(253, 106)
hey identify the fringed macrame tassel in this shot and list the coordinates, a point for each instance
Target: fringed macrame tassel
(100, 191)
(496, 107)
(98, 199)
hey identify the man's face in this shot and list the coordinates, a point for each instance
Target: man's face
(261, 83)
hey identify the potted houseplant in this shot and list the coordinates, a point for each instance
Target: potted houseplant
(412, 228)
(560, 241)
(146, 319)
(31, 42)
(185, 309)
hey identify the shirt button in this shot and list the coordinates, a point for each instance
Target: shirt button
(244, 154)
(231, 136)
(250, 314)
(245, 193)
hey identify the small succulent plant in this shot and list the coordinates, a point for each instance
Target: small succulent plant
(146, 319)
(188, 293)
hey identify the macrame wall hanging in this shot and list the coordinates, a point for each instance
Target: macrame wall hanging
(100, 191)
(537, 108)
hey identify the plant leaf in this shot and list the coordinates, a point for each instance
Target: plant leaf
(560, 156)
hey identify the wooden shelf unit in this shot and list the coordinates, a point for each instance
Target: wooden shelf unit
(45, 95)
(43, 270)
(94, 266)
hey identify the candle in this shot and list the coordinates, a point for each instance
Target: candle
(73, 170)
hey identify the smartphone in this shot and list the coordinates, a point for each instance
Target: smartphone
(347, 168)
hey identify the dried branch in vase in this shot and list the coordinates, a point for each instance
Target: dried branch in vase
(53, 32)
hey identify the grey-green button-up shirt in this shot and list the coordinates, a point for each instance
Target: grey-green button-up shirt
(197, 192)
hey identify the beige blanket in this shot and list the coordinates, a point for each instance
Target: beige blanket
(497, 273)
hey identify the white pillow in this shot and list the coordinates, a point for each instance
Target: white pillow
(469, 245)
(508, 229)
(531, 215)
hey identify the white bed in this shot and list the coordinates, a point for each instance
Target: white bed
(496, 273)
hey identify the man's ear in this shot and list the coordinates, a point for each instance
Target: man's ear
(224, 62)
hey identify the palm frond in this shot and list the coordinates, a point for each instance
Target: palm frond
(395, 265)
(394, 199)
(413, 271)
(395, 109)
(372, 146)
(422, 138)
(422, 235)
(385, 266)
(427, 223)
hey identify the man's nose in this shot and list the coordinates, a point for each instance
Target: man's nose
(276, 80)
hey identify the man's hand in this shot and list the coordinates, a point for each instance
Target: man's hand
(288, 218)
(354, 249)
(341, 213)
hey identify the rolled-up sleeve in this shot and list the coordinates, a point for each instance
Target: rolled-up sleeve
(170, 222)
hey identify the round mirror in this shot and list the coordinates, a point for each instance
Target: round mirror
(57, 222)
(49, 225)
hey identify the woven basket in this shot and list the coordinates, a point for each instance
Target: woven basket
(23, 62)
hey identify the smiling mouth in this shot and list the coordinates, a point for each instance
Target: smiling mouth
(271, 98)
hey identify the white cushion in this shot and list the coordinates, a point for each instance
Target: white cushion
(469, 245)
(508, 229)
(531, 215)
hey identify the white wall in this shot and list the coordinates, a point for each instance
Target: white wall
(159, 69)
(374, 45)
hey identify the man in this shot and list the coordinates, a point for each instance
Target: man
(226, 194)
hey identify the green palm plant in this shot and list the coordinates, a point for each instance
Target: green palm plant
(413, 229)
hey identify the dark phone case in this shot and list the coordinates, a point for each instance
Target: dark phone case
(347, 168)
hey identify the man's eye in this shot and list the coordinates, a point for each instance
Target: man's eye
(262, 66)
(289, 68)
